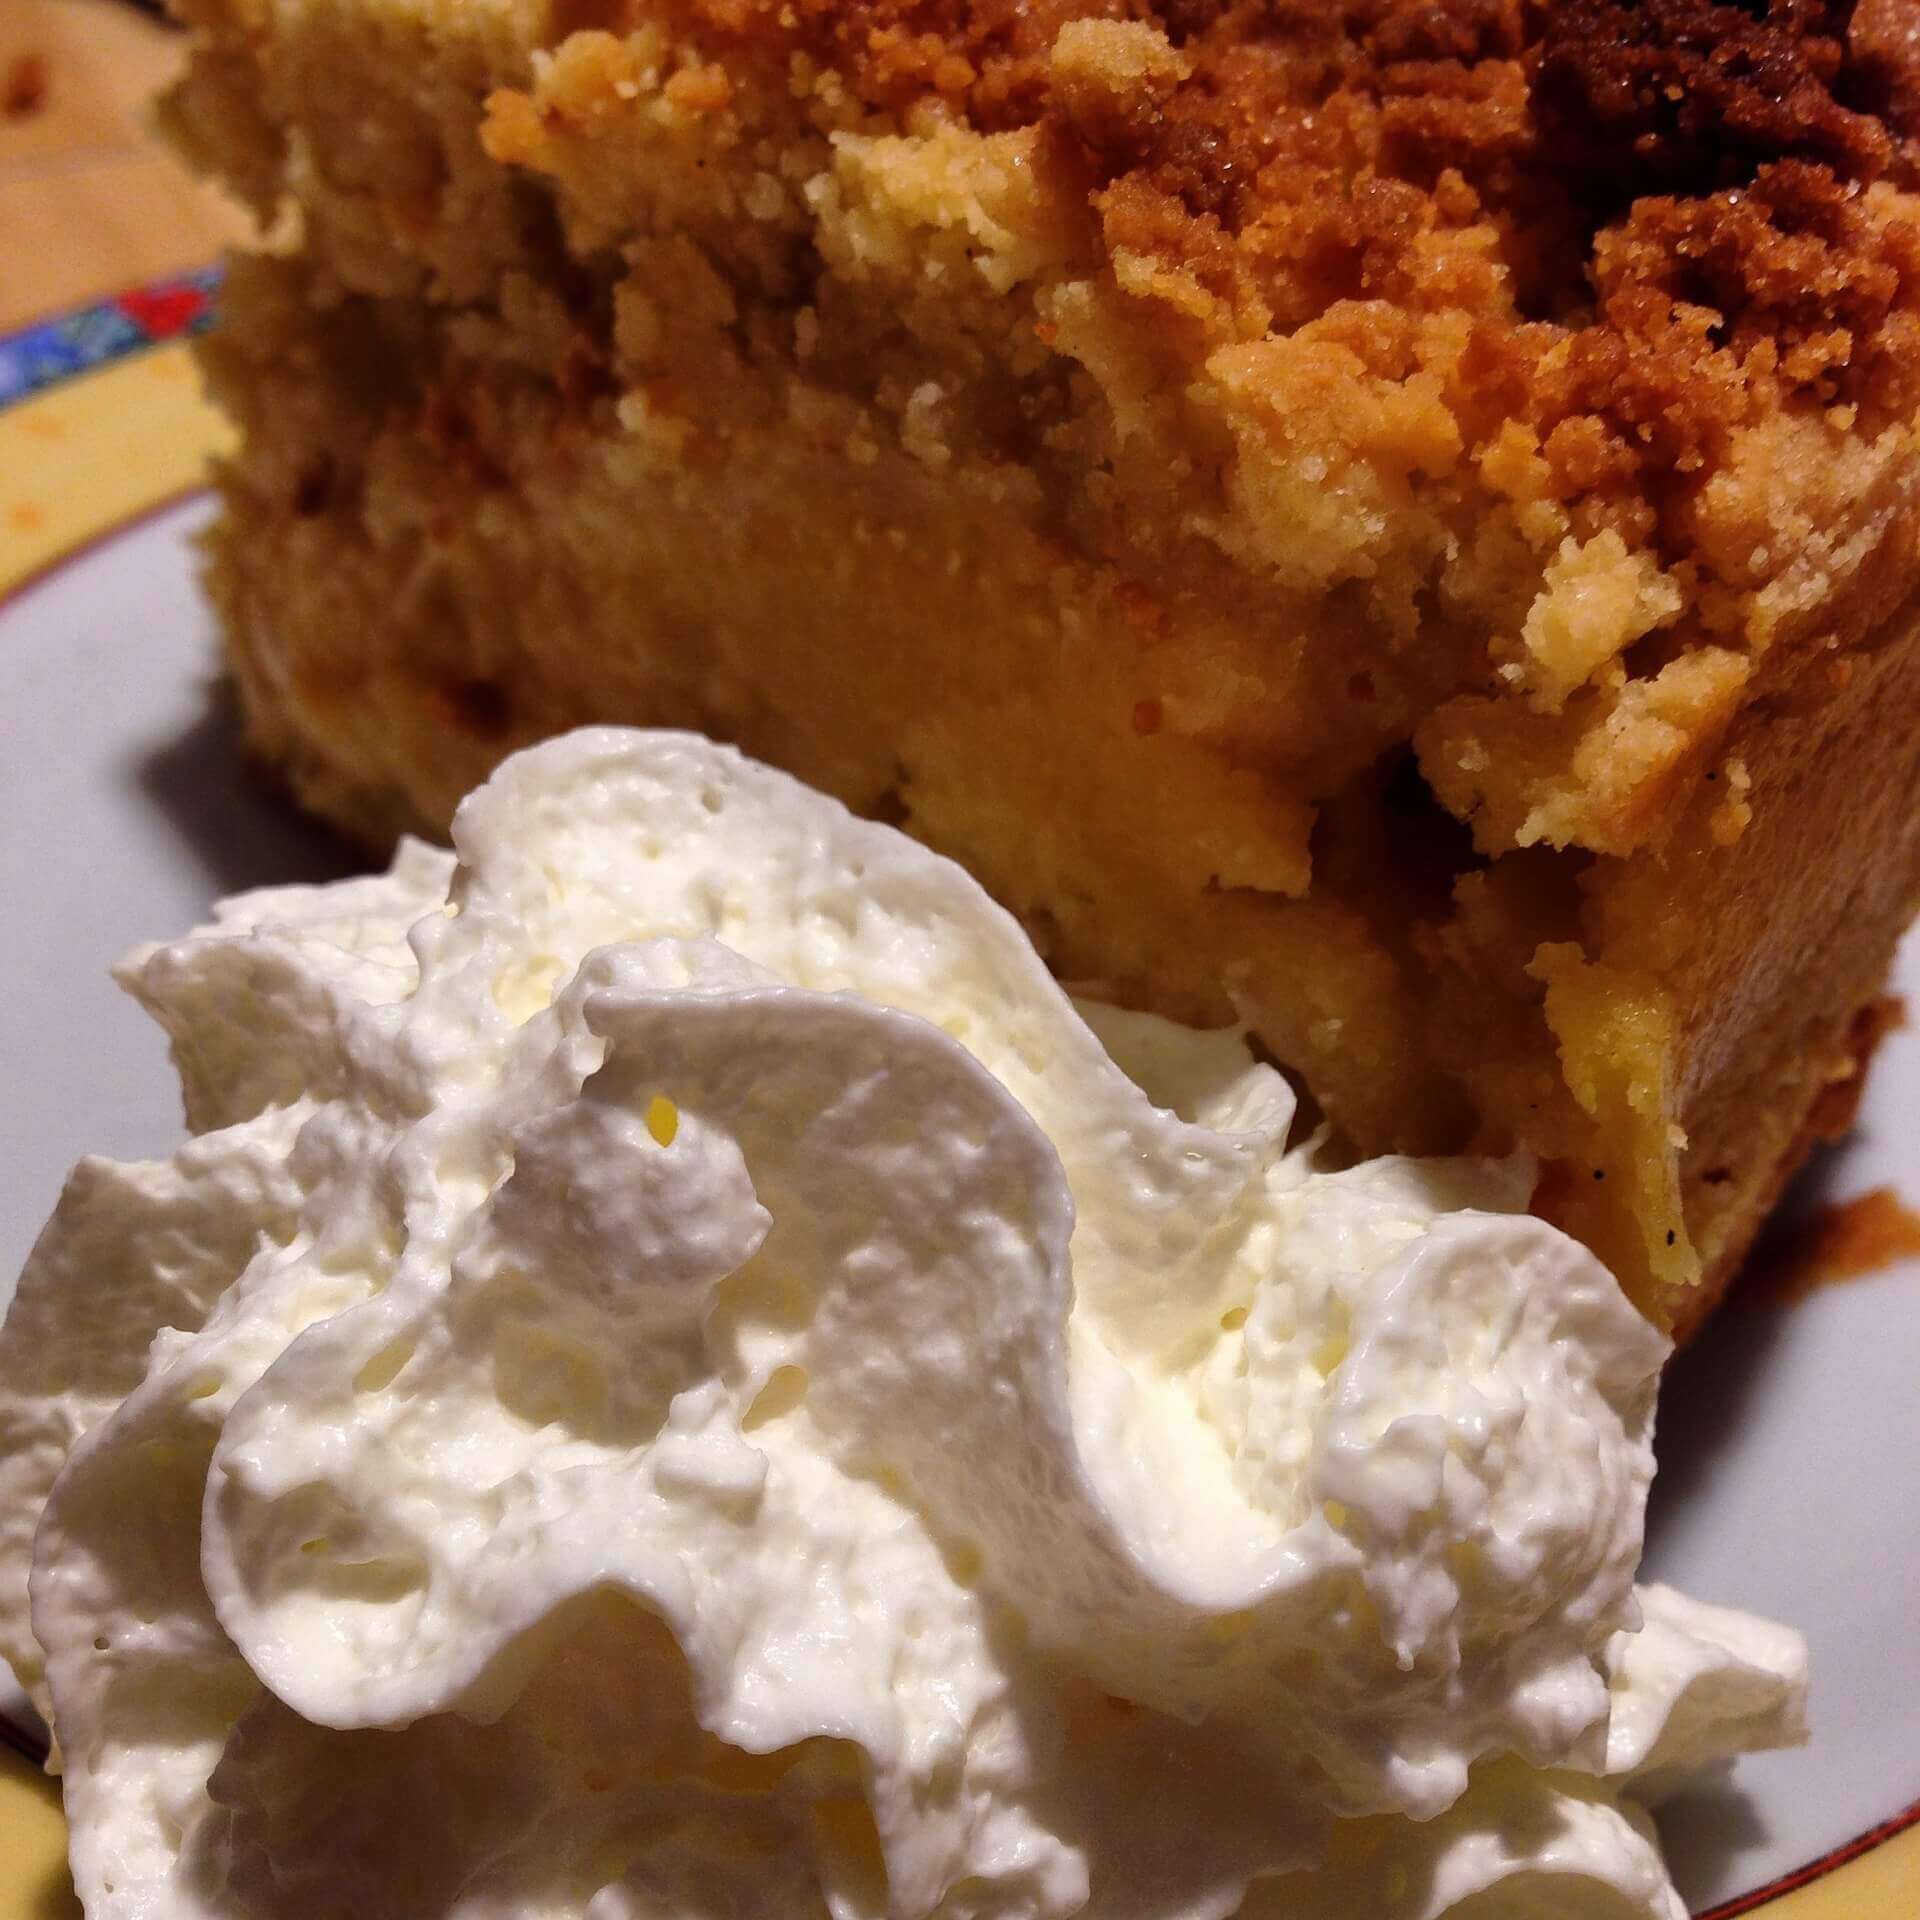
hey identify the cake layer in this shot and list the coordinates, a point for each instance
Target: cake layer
(1333, 524)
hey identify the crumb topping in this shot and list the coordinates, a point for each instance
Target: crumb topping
(1688, 96)
(1681, 190)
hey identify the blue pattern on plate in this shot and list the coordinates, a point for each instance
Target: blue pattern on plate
(75, 343)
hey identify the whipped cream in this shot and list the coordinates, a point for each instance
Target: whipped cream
(678, 1373)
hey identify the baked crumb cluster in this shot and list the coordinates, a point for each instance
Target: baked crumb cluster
(1372, 517)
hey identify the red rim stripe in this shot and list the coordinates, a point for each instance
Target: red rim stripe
(1817, 1869)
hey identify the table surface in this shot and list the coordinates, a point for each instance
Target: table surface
(89, 200)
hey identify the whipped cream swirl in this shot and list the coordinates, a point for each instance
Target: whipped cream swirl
(678, 1373)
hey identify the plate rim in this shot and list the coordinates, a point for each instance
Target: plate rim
(115, 427)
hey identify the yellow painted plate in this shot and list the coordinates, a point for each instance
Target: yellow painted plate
(1789, 1435)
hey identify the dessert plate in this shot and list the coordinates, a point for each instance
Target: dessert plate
(1788, 1432)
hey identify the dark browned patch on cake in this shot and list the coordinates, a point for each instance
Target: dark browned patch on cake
(1686, 97)
(313, 491)
(482, 709)
(448, 426)
(23, 86)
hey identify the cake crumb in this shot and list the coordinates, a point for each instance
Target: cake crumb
(1734, 814)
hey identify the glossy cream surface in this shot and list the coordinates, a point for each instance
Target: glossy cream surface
(679, 1374)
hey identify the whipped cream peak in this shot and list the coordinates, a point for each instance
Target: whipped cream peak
(680, 1372)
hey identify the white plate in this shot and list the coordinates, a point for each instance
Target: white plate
(1789, 1436)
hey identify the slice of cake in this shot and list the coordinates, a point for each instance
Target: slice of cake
(1394, 522)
